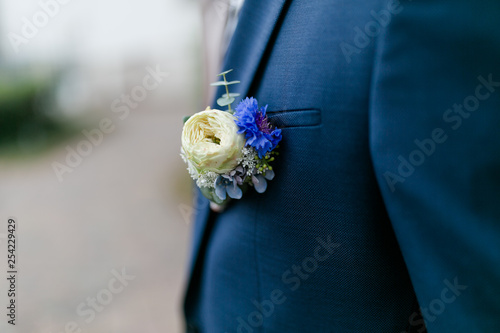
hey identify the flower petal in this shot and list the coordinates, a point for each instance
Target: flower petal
(261, 184)
(234, 191)
(220, 191)
(263, 110)
(269, 175)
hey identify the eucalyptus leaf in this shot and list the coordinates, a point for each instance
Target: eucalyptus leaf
(224, 73)
(185, 119)
(223, 83)
(231, 95)
(223, 101)
(220, 83)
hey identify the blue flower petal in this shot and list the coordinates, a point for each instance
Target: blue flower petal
(269, 175)
(253, 122)
(264, 110)
(261, 184)
(275, 137)
(251, 139)
(220, 191)
(218, 181)
(234, 191)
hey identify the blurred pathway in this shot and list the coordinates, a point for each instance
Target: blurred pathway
(116, 212)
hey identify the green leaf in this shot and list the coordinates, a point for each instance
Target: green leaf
(220, 83)
(209, 193)
(185, 119)
(224, 101)
(231, 95)
(224, 83)
(224, 73)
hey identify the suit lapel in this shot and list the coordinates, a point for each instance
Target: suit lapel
(256, 24)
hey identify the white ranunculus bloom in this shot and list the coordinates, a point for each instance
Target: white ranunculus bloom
(210, 141)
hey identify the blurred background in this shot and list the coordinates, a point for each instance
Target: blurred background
(92, 96)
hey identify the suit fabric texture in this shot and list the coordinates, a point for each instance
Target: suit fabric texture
(386, 195)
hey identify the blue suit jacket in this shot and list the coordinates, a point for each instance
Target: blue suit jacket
(387, 188)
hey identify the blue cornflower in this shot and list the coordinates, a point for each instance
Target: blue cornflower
(254, 123)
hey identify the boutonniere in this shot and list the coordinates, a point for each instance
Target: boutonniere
(229, 151)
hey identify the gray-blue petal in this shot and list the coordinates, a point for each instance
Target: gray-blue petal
(269, 174)
(218, 181)
(234, 191)
(261, 185)
(220, 191)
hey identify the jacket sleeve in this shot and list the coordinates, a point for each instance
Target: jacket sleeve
(435, 146)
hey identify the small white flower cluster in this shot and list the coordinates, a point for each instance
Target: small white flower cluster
(248, 160)
(207, 179)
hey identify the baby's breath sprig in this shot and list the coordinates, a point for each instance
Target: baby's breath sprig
(228, 98)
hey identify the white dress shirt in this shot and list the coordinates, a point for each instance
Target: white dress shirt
(220, 18)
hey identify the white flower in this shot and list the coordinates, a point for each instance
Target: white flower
(191, 169)
(211, 143)
(248, 160)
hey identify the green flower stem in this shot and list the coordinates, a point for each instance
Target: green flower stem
(227, 99)
(227, 92)
(263, 164)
